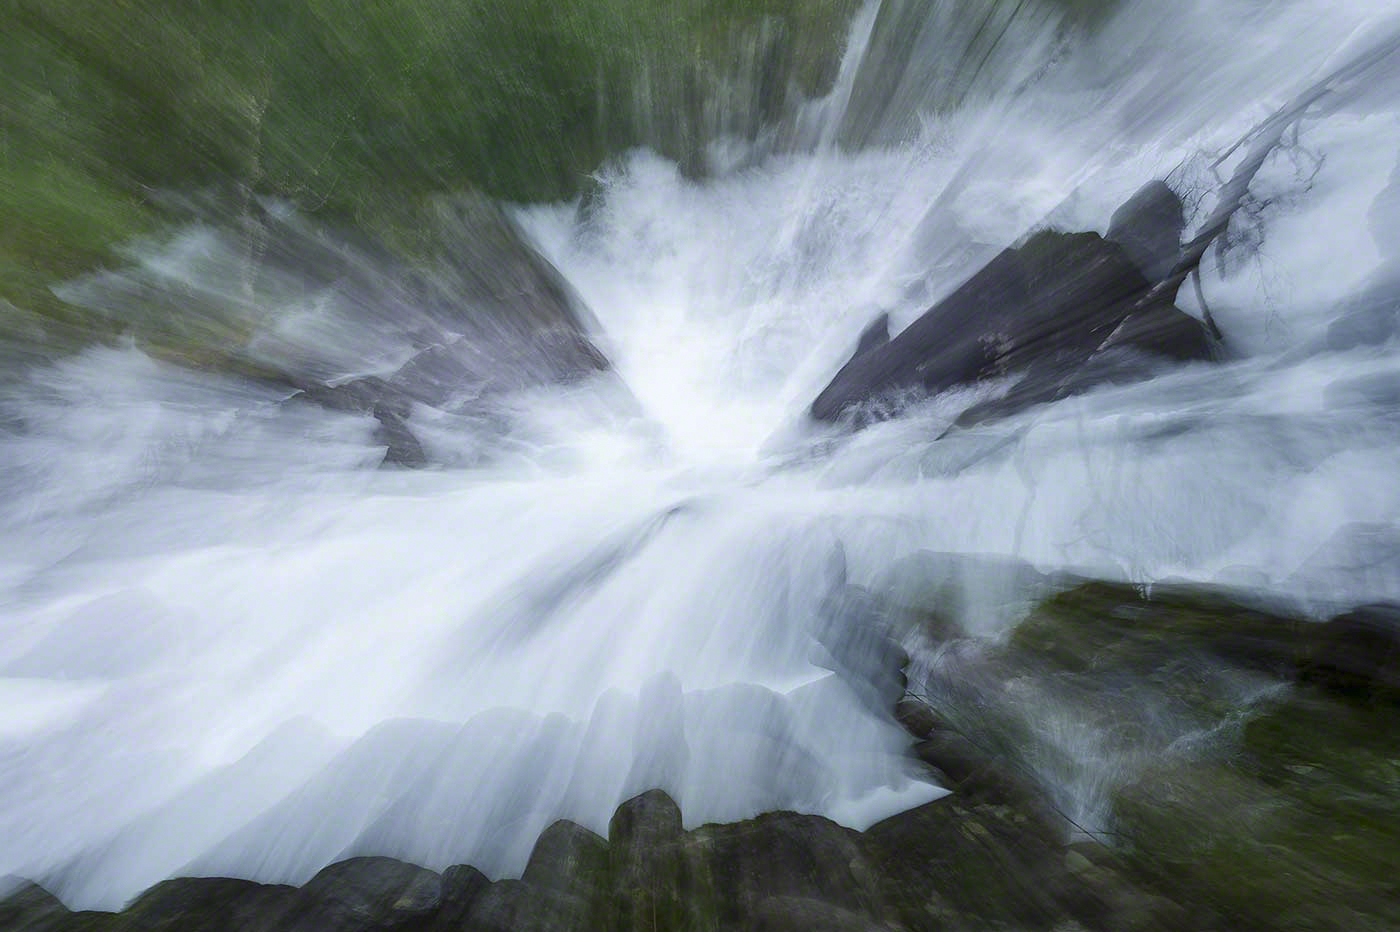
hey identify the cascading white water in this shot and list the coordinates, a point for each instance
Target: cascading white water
(230, 647)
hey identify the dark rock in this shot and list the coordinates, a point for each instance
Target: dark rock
(356, 396)
(31, 908)
(402, 448)
(954, 755)
(1094, 885)
(799, 914)
(980, 773)
(484, 282)
(462, 885)
(1296, 827)
(941, 348)
(386, 403)
(366, 894)
(1163, 330)
(652, 874)
(1358, 653)
(644, 821)
(875, 335)
(737, 866)
(1149, 226)
(952, 864)
(514, 906)
(1097, 625)
(209, 904)
(1044, 308)
(1059, 296)
(1140, 347)
(568, 859)
(917, 717)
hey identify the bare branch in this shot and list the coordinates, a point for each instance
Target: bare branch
(1262, 141)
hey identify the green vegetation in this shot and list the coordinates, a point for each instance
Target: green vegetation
(354, 109)
(1281, 812)
(1296, 828)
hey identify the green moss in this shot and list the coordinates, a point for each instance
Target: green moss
(1105, 625)
(1298, 827)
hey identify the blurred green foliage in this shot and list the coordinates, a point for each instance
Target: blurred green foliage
(358, 107)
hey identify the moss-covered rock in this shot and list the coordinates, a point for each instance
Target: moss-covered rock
(1241, 764)
(31, 908)
(1296, 827)
(1103, 626)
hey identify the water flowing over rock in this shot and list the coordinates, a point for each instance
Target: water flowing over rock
(929, 57)
(448, 308)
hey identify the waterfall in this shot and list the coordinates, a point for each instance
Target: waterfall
(233, 646)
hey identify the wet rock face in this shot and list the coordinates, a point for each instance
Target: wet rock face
(1067, 310)
(210, 904)
(366, 893)
(779, 871)
(483, 314)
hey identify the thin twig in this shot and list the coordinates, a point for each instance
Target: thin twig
(1262, 141)
(1205, 308)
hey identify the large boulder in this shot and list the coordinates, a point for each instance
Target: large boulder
(487, 315)
(743, 864)
(1046, 309)
(462, 886)
(652, 880)
(364, 894)
(443, 305)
